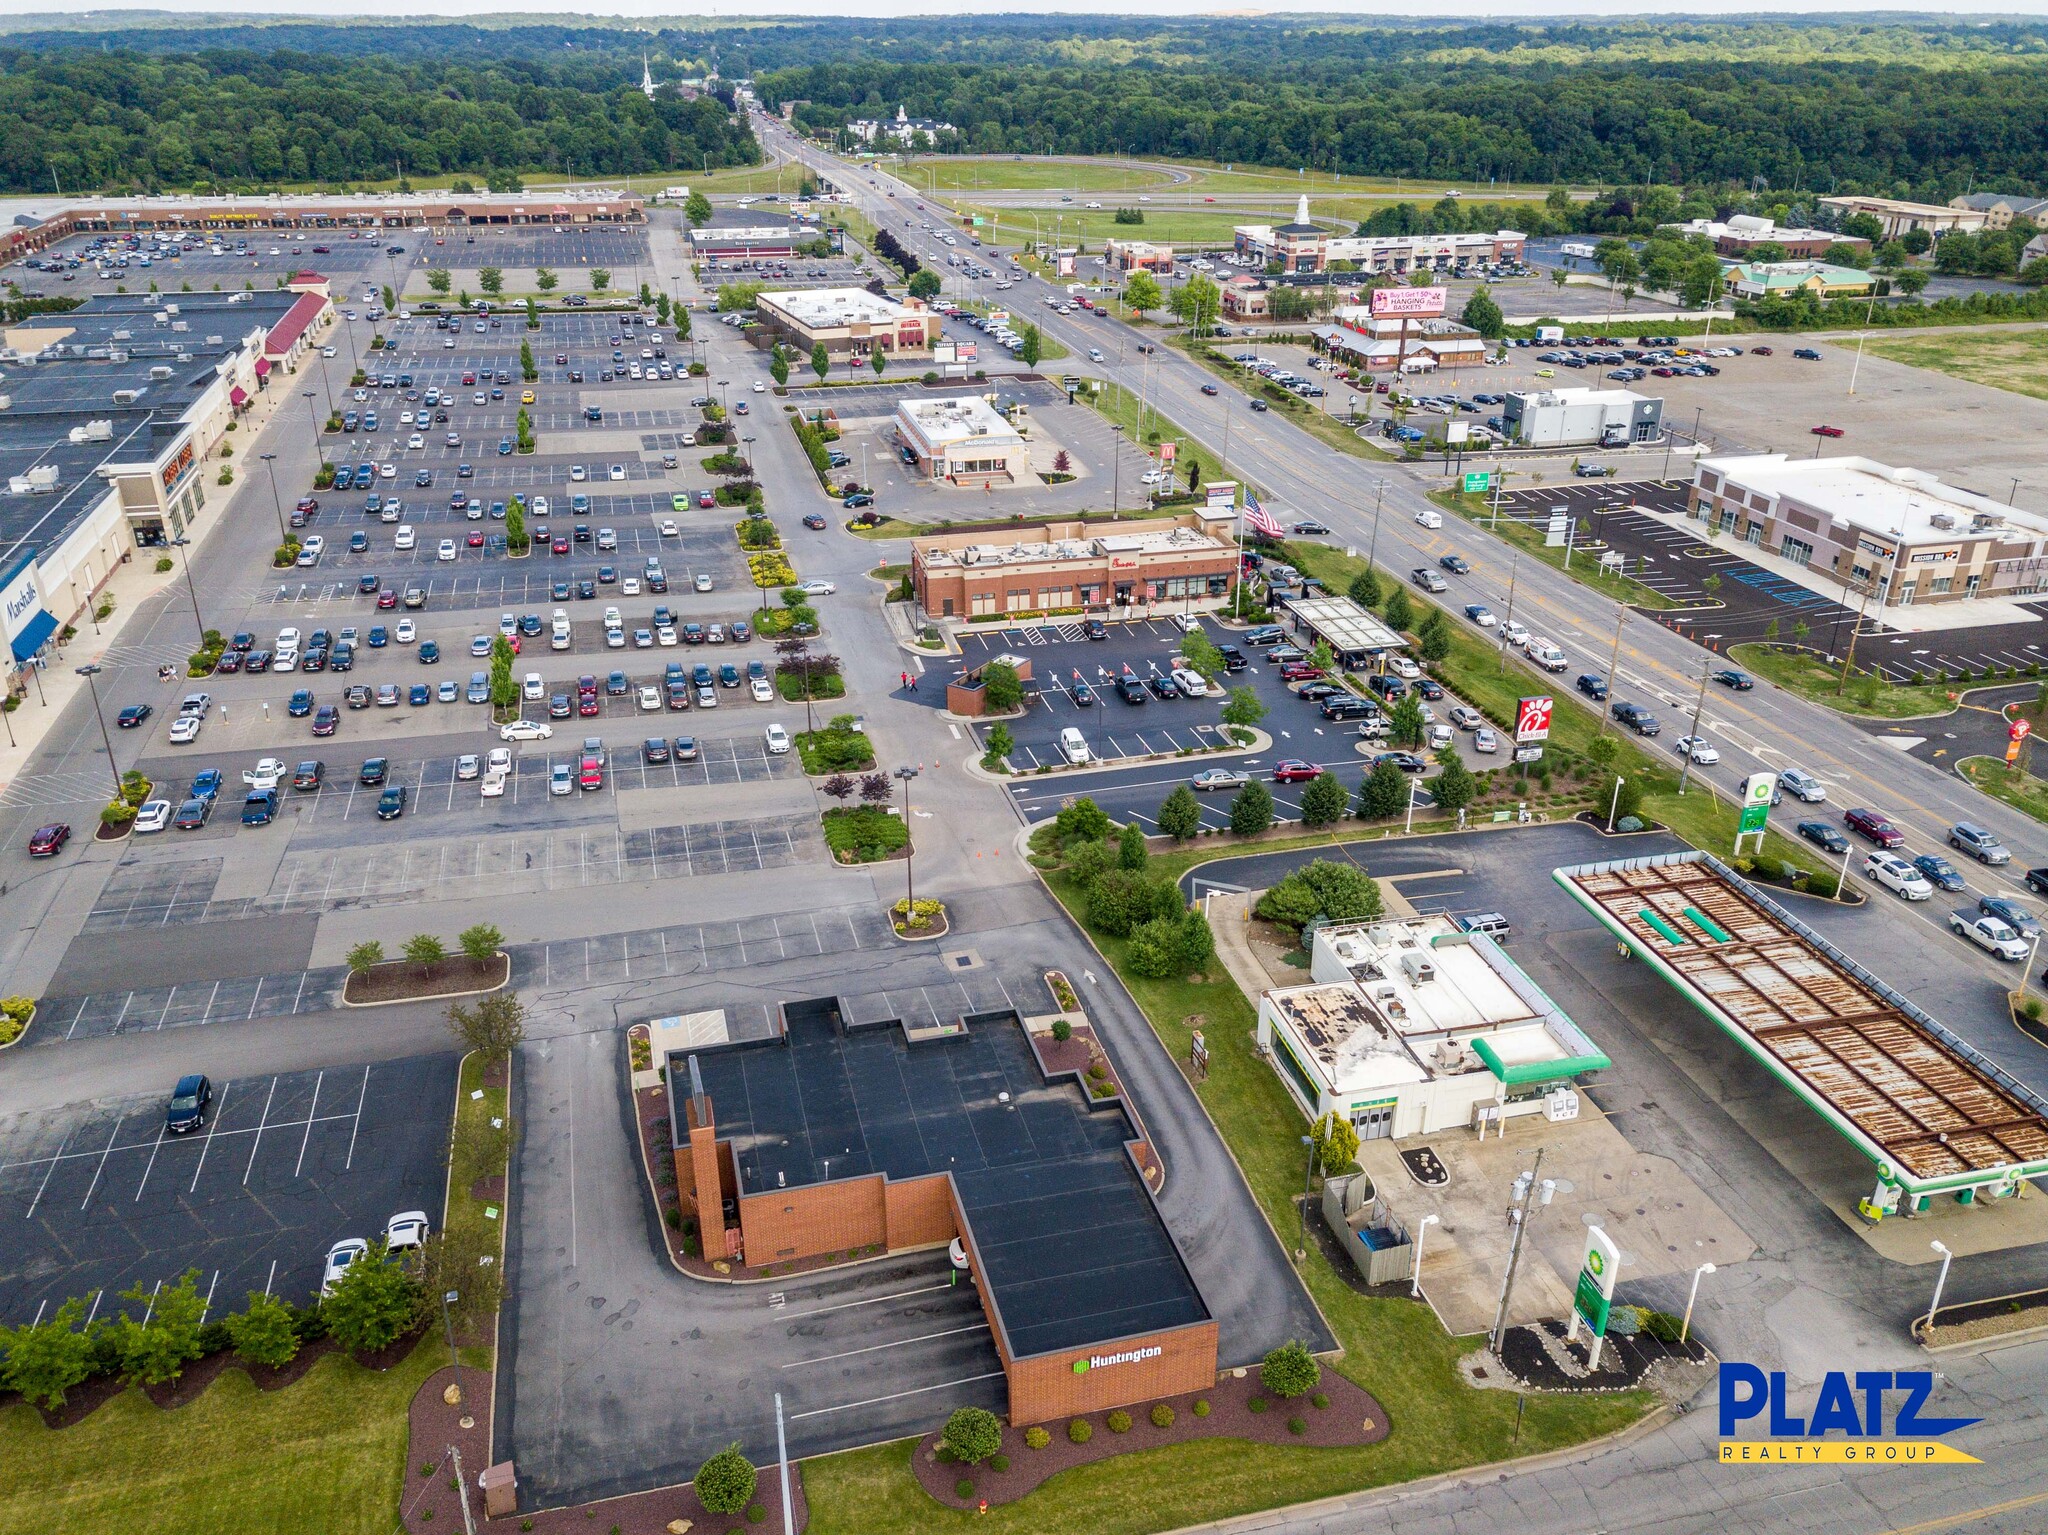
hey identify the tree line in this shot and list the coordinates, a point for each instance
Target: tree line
(123, 121)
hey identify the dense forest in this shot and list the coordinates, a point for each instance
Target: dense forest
(1925, 107)
(119, 120)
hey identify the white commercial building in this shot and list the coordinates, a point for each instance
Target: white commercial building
(1414, 1027)
(850, 323)
(1582, 418)
(1900, 534)
(962, 438)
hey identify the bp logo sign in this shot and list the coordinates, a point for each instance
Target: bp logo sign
(1596, 1262)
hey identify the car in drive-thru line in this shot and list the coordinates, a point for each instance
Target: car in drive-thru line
(1989, 934)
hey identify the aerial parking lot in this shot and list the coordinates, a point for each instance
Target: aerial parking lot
(101, 1198)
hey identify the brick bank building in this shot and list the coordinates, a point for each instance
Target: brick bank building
(839, 1137)
(1185, 563)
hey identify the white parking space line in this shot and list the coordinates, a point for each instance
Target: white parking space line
(49, 1173)
(313, 1111)
(945, 1385)
(876, 1348)
(257, 1139)
(213, 1124)
(100, 1170)
(154, 1147)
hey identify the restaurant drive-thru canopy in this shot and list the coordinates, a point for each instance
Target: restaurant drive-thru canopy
(1934, 1113)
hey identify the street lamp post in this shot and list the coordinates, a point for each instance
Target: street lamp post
(91, 674)
(1685, 1326)
(313, 416)
(1415, 1277)
(270, 465)
(185, 544)
(750, 453)
(904, 775)
(1308, 1176)
(1940, 1280)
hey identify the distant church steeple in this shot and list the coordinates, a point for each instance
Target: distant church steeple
(647, 86)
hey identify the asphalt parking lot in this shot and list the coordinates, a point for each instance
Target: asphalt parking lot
(351, 263)
(102, 1200)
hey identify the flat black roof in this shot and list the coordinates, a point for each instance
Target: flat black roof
(1071, 1244)
(110, 343)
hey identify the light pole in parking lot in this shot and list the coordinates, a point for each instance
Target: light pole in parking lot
(185, 544)
(91, 675)
(270, 464)
(904, 775)
(313, 417)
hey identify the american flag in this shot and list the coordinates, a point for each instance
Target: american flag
(1257, 518)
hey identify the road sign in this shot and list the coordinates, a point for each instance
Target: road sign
(1594, 1293)
(1757, 790)
(2018, 730)
(1478, 482)
(1532, 719)
(1556, 531)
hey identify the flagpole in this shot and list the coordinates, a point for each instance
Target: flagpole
(1237, 596)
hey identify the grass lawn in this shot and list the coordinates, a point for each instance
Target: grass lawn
(1031, 173)
(1010, 225)
(1146, 428)
(1812, 678)
(1585, 568)
(2023, 791)
(1305, 414)
(2014, 360)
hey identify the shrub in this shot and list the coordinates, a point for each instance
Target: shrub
(1663, 1326)
(1290, 1370)
(1080, 1431)
(1162, 1416)
(1201, 1407)
(756, 1514)
(1062, 1030)
(999, 1462)
(1037, 1438)
(1297, 1425)
(1258, 1404)
(725, 1482)
(1320, 1400)
(163, 563)
(1119, 1422)
(972, 1434)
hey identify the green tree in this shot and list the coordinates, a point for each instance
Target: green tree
(1454, 787)
(697, 208)
(1433, 639)
(1251, 809)
(1141, 291)
(973, 1434)
(1082, 821)
(877, 361)
(517, 539)
(1180, 814)
(425, 950)
(1200, 653)
(1482, 313)
(439, 280)
(46, 1359)
(1918, 242)
(1120, 901)
(1290, 1371)
(600, 279)
(1196, 303)
(267, 1333)
(365, 956)
(925, 284)
(1406, 721)
(1131, 852)
(1913, 282)
(1338, 891)
(999, 745)
(1001, 688)
(372, 1304)
(545, 279)
(1628, 801)
(725, 1482)
(1365, 589)
(1243, 708)
(682, 320)
(1399, 612)
(1336, 1143)
(1384, 792)
(1324, 801)
(1031, 345)
(821, 361)
(480, 942)
(778, 366)
(157, 1350)
(492, 280)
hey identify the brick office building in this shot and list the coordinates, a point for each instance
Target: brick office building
(836, 1136)
(1187, 563)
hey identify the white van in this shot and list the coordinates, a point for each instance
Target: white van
(1429, 519)
(1074, 747)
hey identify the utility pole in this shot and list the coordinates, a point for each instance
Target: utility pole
(1379, 492)
(1514, 566)
(1520, 1213)
(1613, 661)
(1698, 704)
(462, 1484)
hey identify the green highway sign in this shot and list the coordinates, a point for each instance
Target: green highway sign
(1478, 482)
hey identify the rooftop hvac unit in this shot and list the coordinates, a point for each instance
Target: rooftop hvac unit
(122, 335)
(93, 431)
(127, 396)
(161, 371)
(170, 309)
(6, 402)
(162, 317)
(1982, 520)
(1941, 519)
(216, 341)
(181, 325)
(1418, 967)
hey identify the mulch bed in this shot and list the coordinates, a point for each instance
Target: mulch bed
(1531, 1355)
(105, 833)
(1968, 1321)
(398, 980)
(1352, 1419)
(430, 1503)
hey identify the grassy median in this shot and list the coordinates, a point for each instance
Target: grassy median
(1817, 680)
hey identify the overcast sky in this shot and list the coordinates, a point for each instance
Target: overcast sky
(1443, 10)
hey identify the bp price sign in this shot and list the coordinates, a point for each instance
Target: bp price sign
(1593, 1296)
(1756, 801)
(1532, 719)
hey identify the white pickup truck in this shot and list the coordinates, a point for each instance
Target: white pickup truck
(266, 774)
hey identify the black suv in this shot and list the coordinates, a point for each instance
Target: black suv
(189, 1100)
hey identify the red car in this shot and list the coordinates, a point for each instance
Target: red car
(48, 841)
(560, 546)
(561, 359)
(1827, 431)
(1760, 351)
(1294, 770)
(1868, 823)
(1300, 671)
(308, 505)
(476, 540)
(387, 599)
